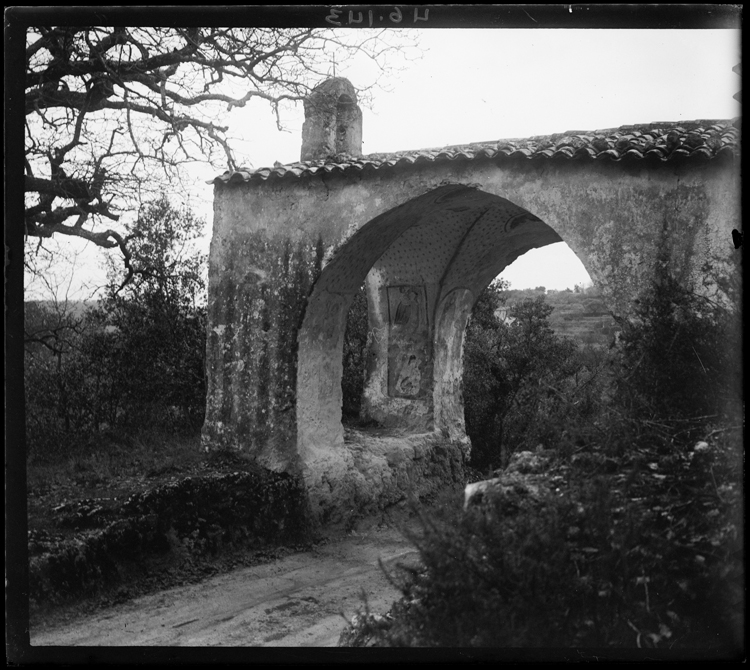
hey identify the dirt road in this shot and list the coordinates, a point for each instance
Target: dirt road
(294, 601)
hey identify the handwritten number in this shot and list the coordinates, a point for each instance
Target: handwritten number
(331, 18)
(417, 17)
(395, 16)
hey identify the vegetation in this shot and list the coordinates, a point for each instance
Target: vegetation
(621, 521)
(680, 354)
(514, 375)
(133, 362)
(115, 392)
(580, 314)
(647, 556)
(624, 527)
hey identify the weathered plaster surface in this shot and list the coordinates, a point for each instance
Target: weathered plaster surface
(452, 315)
(333, 121)
(369, 473)
(289, 254)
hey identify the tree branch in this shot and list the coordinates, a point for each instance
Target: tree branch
(108, 100)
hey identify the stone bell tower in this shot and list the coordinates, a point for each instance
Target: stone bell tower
(333, 121)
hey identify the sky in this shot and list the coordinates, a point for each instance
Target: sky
(490, 84)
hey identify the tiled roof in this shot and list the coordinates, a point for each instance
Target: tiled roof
(663, 141)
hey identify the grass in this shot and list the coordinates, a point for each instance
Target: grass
(111, 457)
(110, 467)
(128, 516)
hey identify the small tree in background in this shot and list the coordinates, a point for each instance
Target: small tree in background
(636, 540)
(511, 375)
(681, 354)
(486, 386)
(136, 360)
(158, 321)
(52, 334)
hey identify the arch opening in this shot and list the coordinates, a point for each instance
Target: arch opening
(529, 354)
(424, 263)
(555, 267)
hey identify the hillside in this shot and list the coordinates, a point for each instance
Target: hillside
(580, 315)
(73, 308)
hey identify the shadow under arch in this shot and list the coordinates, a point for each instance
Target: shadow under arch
(425, 263)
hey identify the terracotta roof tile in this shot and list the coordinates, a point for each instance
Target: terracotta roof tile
(663, 141)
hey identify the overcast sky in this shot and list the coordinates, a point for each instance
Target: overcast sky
(482, 85)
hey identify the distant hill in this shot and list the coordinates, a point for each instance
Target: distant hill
(73, 307)
(579, 315)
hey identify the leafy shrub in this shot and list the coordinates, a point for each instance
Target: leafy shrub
(134, 361)
(648, 556)
(638, 541)
(47, 424)
(680, 354)
(514, 377)
(59, 404)
(151, 363)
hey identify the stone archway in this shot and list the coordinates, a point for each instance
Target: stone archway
(292, 244)
(425, 264)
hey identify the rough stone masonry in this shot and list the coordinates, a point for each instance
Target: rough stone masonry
(425, 231)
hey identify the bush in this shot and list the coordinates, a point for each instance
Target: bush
(638, 540)
(61, 401)
(514, 376)
(680, 355)
(649, 555)
(149, 362)
(134, 361)
(48, 425)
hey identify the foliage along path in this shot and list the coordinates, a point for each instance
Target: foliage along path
(296, 601)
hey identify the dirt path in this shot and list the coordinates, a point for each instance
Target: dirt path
(295, 601)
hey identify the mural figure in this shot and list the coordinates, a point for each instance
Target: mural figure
(408, 312)
(409, 376)
(408, 339)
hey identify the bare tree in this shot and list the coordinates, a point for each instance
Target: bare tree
(111, 112)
